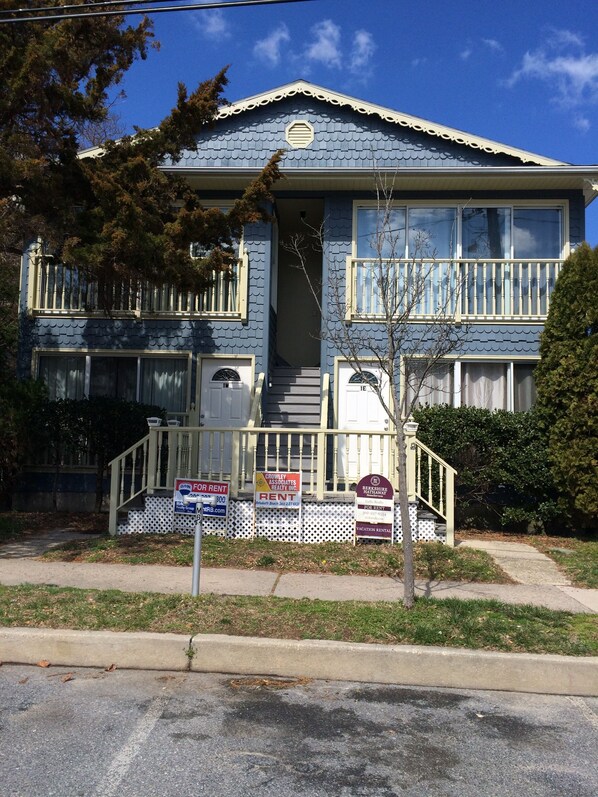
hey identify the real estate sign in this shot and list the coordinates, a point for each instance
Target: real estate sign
(374, 508)
(278, 490)
(205, 489)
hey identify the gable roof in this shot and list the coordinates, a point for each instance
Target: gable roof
(303, 87)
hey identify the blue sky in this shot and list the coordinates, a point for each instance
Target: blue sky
(523, 73)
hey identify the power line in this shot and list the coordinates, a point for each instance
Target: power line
(40, 9)
(145, 10)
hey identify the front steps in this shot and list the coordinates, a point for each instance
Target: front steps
(293, 399)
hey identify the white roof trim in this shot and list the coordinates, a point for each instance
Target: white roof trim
(388, 115)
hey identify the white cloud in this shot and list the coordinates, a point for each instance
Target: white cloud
(582, 123)
(574, 77)
(211, 24)
(268, 49)
(464, 54)
(494, 45)
(564, 38)
(418, 62)
(362, 52)
(325, 48)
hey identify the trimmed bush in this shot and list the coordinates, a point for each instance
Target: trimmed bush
(501, 457)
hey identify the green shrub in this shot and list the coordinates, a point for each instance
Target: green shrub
(21, 430)
(96, 429)
(567, 382)
(503, 474)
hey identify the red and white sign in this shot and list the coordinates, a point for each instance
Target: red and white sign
(278, 490)
(374, 508)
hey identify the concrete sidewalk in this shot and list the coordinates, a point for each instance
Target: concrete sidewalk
(398, 664)
(225, 581)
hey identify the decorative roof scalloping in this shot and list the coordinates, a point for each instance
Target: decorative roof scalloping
(302, 87)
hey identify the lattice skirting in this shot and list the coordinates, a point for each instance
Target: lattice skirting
(327, 521)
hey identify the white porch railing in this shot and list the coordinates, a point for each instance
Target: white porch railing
(55, 289)
(331, 461)
(466, 290)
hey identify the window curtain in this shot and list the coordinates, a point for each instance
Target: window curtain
(164, 383)
(114, 376)
(435, 387)
(484, 385)
(524, 387)
(64, 376)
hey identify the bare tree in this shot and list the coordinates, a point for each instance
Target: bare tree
(399, 313)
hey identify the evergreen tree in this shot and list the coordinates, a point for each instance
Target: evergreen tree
(567, 381)
(116, 214)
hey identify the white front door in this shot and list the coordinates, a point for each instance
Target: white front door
(224, 404)
(359, 409)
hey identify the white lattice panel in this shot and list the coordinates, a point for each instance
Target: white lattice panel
(320, 522)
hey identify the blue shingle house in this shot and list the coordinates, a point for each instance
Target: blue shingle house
(244, 369)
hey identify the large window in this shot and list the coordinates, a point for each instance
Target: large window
(419, 232)
(151, 380)
(470, 232)
(490, 384)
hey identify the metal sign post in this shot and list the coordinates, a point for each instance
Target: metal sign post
(200, 502)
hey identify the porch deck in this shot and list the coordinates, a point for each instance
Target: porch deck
(331, 462)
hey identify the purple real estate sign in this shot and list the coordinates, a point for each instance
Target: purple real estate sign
(374, 508)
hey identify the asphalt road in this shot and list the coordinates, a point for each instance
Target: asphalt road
(139, 734)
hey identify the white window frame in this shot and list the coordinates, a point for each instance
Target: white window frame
(225, 207)
(459, 361)
(138, 354)
(459, 206)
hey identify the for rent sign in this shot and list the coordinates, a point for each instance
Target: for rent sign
(183, 487)
(277, 490)
(374, 508)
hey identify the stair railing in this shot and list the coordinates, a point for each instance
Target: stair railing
(223, 454)
(431, 480)
(256, 418)
(321, 472)
(128, 478)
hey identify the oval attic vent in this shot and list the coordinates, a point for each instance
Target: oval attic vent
(300, 134)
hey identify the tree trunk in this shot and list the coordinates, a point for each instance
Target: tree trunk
(408, 568)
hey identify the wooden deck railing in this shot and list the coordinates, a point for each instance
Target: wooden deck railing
(466, 290)
(331, 461)
(55, 289)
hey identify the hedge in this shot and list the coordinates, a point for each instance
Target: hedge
(503, 473)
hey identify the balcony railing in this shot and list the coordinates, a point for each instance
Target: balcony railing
(55, 289)
(465, 290)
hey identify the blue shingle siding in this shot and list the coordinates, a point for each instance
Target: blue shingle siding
(198, 336)
(342, 139)
(577, 218)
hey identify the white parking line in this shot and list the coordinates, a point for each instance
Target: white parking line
(121, 763)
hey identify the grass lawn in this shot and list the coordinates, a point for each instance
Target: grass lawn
(577, 558)
(487, 625)
(434, 561)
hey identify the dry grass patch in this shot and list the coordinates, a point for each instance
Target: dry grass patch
(433, 561)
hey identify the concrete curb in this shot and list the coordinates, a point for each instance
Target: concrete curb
(390, 664)
(126, 650)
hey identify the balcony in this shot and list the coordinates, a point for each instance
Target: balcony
(464, 290)
(55, 289)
